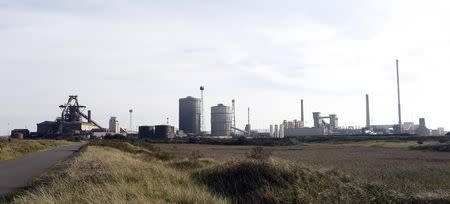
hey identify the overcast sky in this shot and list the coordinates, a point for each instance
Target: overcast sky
(118, 54)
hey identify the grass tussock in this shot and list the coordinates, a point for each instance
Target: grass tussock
(276, 181)
(109, 175)
(19, 148)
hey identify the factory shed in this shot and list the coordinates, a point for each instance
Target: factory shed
(20, 133)
(297, 132)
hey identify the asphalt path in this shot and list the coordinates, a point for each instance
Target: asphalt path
(17, 173)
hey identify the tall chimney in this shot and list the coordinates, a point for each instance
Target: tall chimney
(302, 114)
(367, 112)
(89, 116)
(398, 95)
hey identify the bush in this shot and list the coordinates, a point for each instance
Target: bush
(259, 153)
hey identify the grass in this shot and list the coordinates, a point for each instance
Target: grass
(419, 173)
(278, 181)
(19, 148)
(441, 147)
(102, 174)
(134, 172)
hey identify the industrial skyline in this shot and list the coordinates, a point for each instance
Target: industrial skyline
(132, 55)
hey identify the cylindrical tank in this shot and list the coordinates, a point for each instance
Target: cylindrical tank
(146, 131)
(164, 132)
(221, 118)
(190, 115)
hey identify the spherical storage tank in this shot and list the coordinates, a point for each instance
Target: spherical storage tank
(190, 115)
(221, 120)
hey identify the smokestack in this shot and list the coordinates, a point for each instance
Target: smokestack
(89, 116)
(398, 95)
(233, 102)
(302, 114)
(367, 112)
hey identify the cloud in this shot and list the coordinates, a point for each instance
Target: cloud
(266, 54)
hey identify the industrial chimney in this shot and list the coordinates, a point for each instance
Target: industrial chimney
(398, 95)
(367, 112)
(302, 113)
(89, 116)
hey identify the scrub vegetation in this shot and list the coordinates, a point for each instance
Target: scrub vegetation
(18, 148)
(138, 172)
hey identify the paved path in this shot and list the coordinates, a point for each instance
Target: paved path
(17, 173)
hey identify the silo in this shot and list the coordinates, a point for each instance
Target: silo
(190, 115)
(221, 118)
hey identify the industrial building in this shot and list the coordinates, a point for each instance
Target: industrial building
(296, 132)
(221, 120)
(72, 121)
(114, 126)
(319, 121)
(158, 132)
(190, 115)
(422, 130)
(20, 133)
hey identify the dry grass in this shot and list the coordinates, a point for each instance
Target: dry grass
(122, 172)
(419, 173)
(19, 148)
(279, 181)
(108, 175)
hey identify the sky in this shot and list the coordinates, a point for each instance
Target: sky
(118, 55)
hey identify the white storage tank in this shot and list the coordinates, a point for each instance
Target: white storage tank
(221, 118)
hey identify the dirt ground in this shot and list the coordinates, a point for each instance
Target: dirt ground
(421, 173)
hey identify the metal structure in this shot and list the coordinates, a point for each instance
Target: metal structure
(221, 120)
(202, 125)
(190, 115)
(320, 123)
(72, 112)
(399, 104)
(367, 112)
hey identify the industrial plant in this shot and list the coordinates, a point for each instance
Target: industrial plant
(74, 121)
